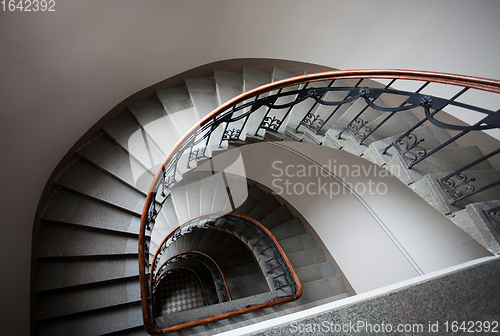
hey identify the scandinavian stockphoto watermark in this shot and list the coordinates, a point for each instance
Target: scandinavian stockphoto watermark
(315, 179)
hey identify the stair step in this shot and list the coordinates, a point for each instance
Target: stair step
(397, 124)
(431, 190)
(433, 136)
(476, 222)
(370, 114)
(229, 84)
(213, 310)
(69, 207)
(246, 285)
(255, 195)
(315, 272)
(253, 78)
(311, 137)
(317, 290)
(306, 257)
(221, 196)
(203, 94)
(98, 322)
(445, 160)
(86, 298)
(265, 207)
(324, 112)
(307, 107)
(168, 210)
(107, 155)
(134, 139)
(277, 217)
(159, 127)
(180, 200)
(179, 108)
(66, 272)
(76, 240)
(288, 229)
(298, 243)
(85, 178)
(239, 270)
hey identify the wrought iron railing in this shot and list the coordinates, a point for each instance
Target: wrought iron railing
(272, 108)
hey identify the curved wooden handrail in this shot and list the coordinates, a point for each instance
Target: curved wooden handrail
(425, 76)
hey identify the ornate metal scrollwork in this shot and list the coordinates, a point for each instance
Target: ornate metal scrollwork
(233, 134)
(410, 147)
(197, 153)
(270, 123)
(365, 92)
(359, 128)
(313, 122)
(426, 101)
(458, 185)
(152, 213)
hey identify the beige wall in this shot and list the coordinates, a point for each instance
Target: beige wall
(62, 71)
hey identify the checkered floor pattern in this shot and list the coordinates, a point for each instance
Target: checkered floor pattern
(177, 292)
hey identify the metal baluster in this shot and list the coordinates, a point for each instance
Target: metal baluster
(421, 122)
(446, 181)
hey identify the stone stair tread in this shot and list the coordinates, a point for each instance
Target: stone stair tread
(241, 270)
(85, 298)
(433, 136)
(277, 217)
(151, 116)
(229, 84)
(180, 201)
(485, 225)
(246, 285)
(255, 195)
(306, 257)
(253, 78)
(85, 178)
(168, 211)
(221, 196)
(179, 108)
(70, 207)
(445, 160)
(298, 243)
(395, 125)
(369, 114)
(67, 272)
(265, 207)
(98, 322)
(288, 229)
(77, 240)
(110, 157)
(431, 190)
(133, 138)
(318, 290)
(203, 95)
(213, 310)
(315, 272)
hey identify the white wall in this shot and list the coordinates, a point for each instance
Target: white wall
(62, 71)
(378, 239)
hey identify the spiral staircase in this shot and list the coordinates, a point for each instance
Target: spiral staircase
(87, 255)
